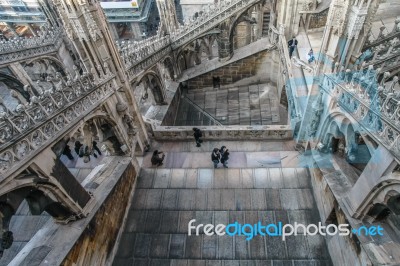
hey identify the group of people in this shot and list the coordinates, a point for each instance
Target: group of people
(217, 156)
(82, 151)
(220, 155)
(293, 44)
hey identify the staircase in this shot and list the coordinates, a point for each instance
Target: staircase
(266, 20)
(265, 181)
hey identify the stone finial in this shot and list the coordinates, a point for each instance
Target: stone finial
(121, 106)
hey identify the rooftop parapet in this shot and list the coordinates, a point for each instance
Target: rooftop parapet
(49, 113)
(374, 105)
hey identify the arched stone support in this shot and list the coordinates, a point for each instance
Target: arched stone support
(153, 83)
(47, 185)
(382, 163)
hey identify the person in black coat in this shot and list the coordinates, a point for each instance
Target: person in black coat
(156, 159)
(78, 146)
(292, 45)
(224, 156)
(215, 156)
(67, 152)
(96, 148)
(197, 135)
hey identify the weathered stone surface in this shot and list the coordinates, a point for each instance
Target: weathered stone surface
(177, 246)
(96, 241)
(222, 196)
(210, 247)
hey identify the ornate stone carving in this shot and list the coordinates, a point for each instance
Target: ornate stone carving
(18, 49)
(376, 108)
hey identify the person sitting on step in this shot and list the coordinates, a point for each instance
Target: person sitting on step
(156, 159)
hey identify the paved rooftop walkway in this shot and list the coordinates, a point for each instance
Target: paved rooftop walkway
(166, 199)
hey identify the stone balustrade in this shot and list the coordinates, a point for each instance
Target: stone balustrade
(224, 132)
(27, 129)
(207, 20)
(19, 48)
(382, 51)
(373, 41)
(133, 52)
(293, 105)
(385, 56)
(375, 106)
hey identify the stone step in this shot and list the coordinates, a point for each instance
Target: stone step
(234, 146)
(262, 178)
(208, 262)
(165, 200)
(240, 159)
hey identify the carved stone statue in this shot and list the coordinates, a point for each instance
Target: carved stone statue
(128, 120)
(94, 74)
(59, 82)
(39, 88)
(107, 69)
(76, 72)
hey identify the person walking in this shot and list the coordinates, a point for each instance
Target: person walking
(310, 56)
(67, 152)
(224, 156)
(156, 159)
(292, 45)
(96, 148)
(215, 156)
(84, 153)
(78, 146)
(197, 135)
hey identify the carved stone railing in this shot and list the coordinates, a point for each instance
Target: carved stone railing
(19, 48)
(138, 55)
(290, 86)
(135, 54)
(208, 20)
(383, 51)
(225, 132)
(147, 61)
(376, 107)
(382, 37)
(386, 56)
(30, 128)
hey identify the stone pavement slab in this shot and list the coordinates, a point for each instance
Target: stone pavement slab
(156, 231)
